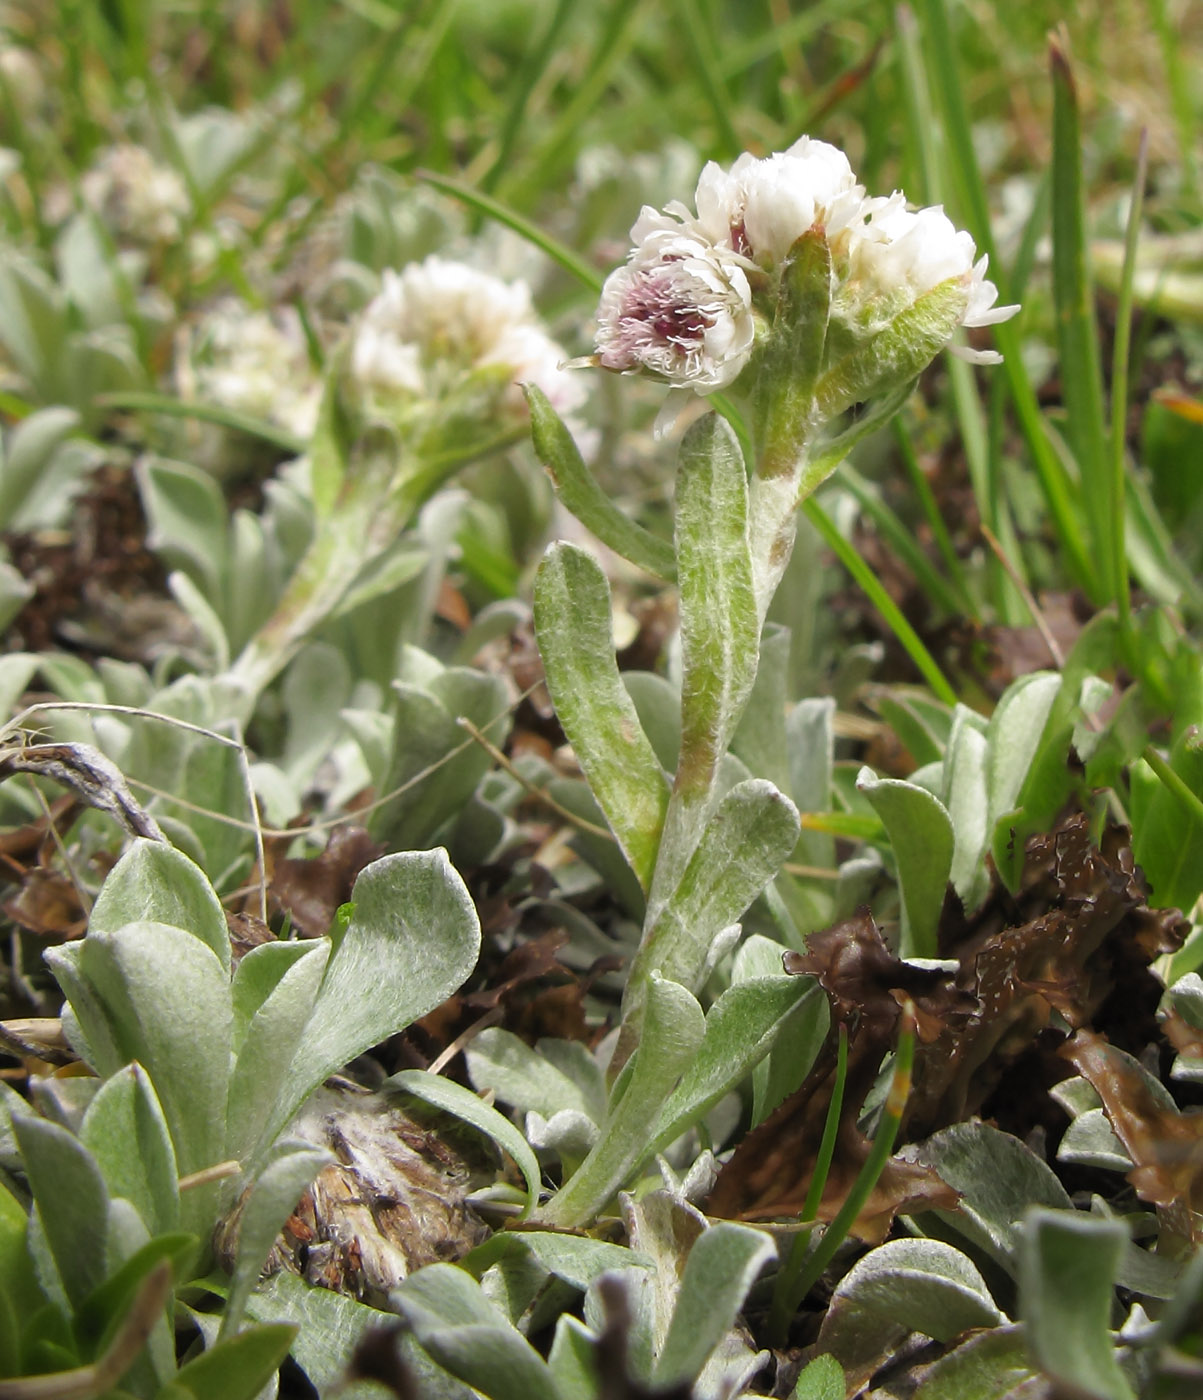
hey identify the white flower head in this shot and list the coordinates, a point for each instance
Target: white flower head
(258, 364)
(136, 196)
(761, 208)
(681, 309)
(898, 255)
(438, 320)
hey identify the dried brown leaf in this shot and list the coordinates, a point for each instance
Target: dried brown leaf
(770, 1171)
(311, 890)
(1077, 940)
(1164, 1143)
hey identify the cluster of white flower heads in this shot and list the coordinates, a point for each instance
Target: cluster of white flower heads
(682, 306)
(438, 320)
(257, 363)
(138, 198)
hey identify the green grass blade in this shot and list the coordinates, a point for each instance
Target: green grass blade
(881, 600)
(879, 1154)
(935, 521)
(981, 457)
(969, 196)
(204, 413)
(1077, 329)
(1119, 395)
(697, 34)
(522, 83)
(784, 1289)
(485, 204)
(900, 540)
(1183, 93)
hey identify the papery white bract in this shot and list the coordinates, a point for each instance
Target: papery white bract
(762, 207)
(680, 309)
(438, 320)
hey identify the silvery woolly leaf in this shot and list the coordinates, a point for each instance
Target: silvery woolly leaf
(468, 1336)
(127, 1134)
(921, 837)
(672, 1032)
(272, 1199)
(575, 633)
(154, 881)
(413, 938)
(168, 997)
(1068, 1264)
(903, 1286)
(526, 1079)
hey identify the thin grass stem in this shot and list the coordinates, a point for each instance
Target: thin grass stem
(881, 600)
(883, 1146)
(785, 1288)
(1119, 399)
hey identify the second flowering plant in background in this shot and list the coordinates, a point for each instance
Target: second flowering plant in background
(802, 297)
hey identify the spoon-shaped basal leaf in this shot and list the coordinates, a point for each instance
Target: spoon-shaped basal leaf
(457, 1324)
(922, 840)
(273, 1033)
(1067, 1267)
(903, 1286)
(154, 881)
(573, 624)
(412, 940)
(721, 1267)
(168, 996)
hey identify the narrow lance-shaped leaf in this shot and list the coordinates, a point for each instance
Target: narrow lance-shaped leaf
(580, 493)
(721, 1268)
(743, 846)
(71, 1199)
(573, 625)
(793, 353)
(463, 1103)
(720, 630)
(741, 1028)
(720, 638)
(673, 1027)
(126, 1132)
(272, 1200)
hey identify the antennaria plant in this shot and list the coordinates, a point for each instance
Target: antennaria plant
(807, 302)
